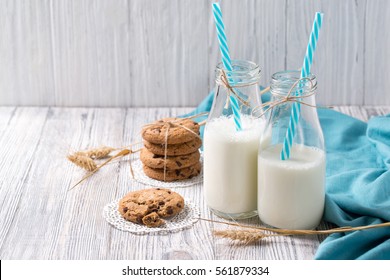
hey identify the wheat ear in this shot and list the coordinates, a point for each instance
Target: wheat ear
(235, 234)
(82, 161)
(99, 153)
(122, 153)
(246, 236)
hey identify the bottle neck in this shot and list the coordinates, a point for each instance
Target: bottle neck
(243, 73)
(307, 129)
(290, 83)
(236, 90)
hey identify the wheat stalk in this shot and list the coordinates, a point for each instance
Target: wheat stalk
(85, 159)
(98, 153)
(82, 161)
(122, 153)
(257, 233)
(245, 236)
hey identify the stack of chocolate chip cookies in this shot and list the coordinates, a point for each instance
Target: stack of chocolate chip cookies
(171, 149)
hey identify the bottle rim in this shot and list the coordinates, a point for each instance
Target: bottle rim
(251, 66)
(282, 81)
(244, 72)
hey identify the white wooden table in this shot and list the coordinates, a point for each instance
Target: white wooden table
(41, 219)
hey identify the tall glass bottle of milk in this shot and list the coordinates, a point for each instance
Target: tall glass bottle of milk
(291, 192)
(230, 156)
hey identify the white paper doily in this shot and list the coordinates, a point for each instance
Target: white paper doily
(140, 176)
(185, 219)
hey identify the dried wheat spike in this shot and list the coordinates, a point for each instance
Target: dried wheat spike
(246, 236)
(81, 160)
(98, 153)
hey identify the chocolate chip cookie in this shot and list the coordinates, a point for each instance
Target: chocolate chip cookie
(173, 175)
(174, 149)
(170, 162)
(179, 131)
(148, 206)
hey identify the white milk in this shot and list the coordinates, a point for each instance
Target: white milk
(230, 166)
(291, 193)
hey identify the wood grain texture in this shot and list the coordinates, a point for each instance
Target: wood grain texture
(41, 219)
(19, 141)
(132, 53)
(26, 71)
(255, 31)
(90, 42)
(338, 61)
(377, 53)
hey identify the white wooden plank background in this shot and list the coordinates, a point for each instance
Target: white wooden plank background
(41, 219)
(163, 53)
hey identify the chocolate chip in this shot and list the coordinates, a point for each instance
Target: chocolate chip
(169, 192)
(155, 156)
(178, 204)
(177, 172)
(161, 203)
(125, 209)
(169, 210)
(152, 206)
(158, 189)
(179, 163)
(139, 218)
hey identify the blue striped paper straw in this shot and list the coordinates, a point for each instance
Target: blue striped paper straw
(226, 61)
(305, 72)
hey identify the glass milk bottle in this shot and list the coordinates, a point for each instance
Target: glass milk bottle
(291, 192)
(230, 156)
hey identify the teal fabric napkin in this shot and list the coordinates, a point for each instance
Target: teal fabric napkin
(357, 183)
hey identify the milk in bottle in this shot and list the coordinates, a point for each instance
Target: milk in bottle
(230, 155)
(291, 192)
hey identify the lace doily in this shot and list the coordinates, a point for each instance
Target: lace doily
(140, 176)
(185, 219)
